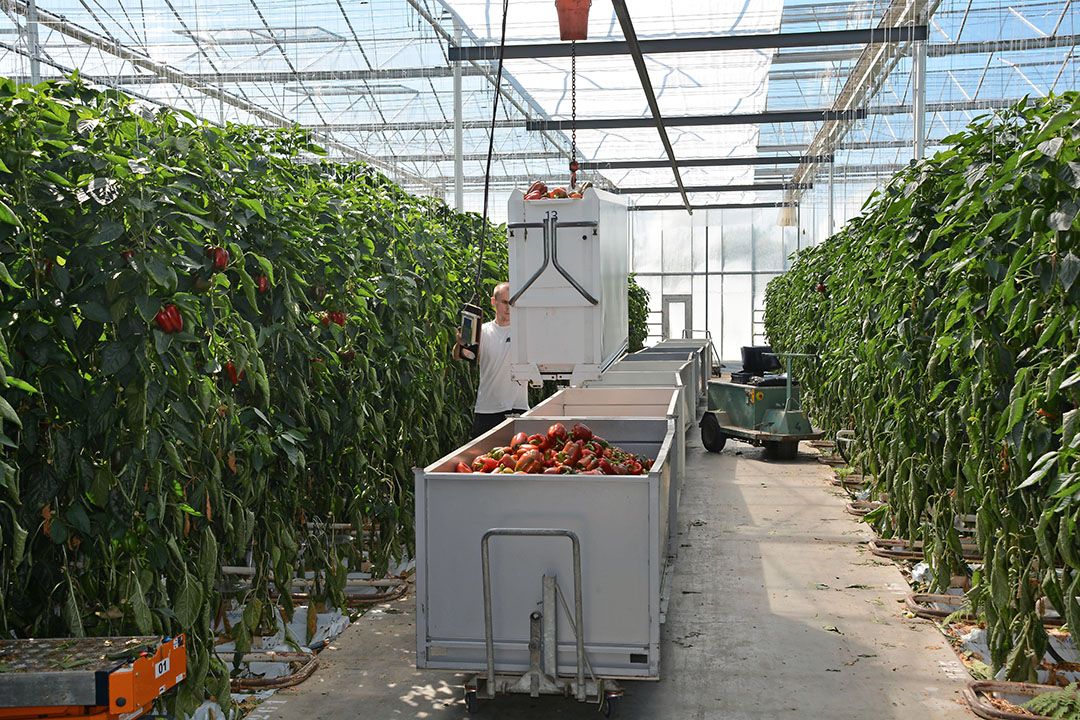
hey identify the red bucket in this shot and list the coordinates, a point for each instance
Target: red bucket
(573, 18)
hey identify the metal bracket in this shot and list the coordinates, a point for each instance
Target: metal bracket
(550, 226)
(580, 688)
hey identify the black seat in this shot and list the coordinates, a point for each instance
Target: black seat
(756, 359)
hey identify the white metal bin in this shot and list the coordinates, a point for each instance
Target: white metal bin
(619, 520)
(650, 379)
(686, 370)
(568, 265)
(702, 347)
(647, 359)
(632, 402)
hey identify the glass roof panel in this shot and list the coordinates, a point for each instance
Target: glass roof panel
(371, 78)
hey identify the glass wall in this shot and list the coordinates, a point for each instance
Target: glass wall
(708, 272)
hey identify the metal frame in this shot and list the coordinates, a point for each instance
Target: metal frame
(821, 38)
(708, 162)
(708, 206)
(758, 187)
(225, 76)
(579, 613)
(646, 85)
(769, 116)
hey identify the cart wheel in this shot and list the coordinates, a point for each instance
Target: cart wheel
(472, 704)
(781, 449)
(611, 706)
(712, 437)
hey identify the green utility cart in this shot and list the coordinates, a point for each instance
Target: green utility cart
(758, 408)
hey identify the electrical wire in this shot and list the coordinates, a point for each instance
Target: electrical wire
(490, 152)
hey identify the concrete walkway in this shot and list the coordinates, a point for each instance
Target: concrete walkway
(776, 611)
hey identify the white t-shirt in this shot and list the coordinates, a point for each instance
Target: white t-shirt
(498, 392)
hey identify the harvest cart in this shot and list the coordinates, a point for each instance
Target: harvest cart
(680, 355)
(116, 678)
(638, 402)
(760, 412)
(621, 376)
(544, 584)
(703, 349)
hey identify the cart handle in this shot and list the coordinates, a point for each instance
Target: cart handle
(489, 633)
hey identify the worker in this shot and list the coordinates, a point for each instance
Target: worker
(499, 395)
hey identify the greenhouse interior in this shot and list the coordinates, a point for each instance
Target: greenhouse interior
(766, 313)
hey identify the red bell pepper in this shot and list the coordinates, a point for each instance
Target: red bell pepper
(519, 439)
(529, 460)
(581, 432)
(230, 372)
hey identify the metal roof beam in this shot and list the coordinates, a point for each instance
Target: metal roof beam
(419, 125)
(261, 76)
(769, 116)
(841, 171)
(934, 49)
(707, 162)
(998, 46)
(646, 85)
(480, 157)
(714, 206)
(716, 43)
(852, 145)
(758, 187)
(816, 56)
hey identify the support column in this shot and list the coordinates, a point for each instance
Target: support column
(32, 42)
(459, 165)
(832, 195)
(918, 106)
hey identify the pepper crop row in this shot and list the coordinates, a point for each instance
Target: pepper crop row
(172, 400)
(946, 319)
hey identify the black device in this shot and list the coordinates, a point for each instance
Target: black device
(472, 317)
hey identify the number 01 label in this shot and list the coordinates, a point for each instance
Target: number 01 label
(161, 667)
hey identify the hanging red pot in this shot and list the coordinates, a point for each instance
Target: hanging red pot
(573, 18)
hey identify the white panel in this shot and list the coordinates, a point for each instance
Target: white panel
(768, 242)
(736, 310)
(678, 247)
(738, 232)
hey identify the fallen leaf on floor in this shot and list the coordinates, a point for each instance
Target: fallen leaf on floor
(832, 628)
(858, 586)
(822, 586)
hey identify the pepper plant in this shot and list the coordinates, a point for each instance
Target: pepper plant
(175, 398)
(638, 299)
(945, 320)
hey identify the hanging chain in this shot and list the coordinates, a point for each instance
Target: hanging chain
(573, 99)
(573, 114)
